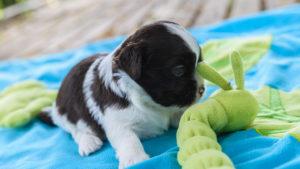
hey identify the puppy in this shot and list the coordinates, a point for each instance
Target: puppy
(138, 91)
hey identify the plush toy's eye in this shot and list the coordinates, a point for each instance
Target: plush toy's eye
(178, 70)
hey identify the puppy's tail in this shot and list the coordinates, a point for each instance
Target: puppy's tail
(45, 116)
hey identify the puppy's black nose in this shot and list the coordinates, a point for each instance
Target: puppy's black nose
(201, 89)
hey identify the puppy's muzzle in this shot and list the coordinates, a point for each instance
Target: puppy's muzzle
(201, 90)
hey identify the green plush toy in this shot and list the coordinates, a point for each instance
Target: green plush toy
(22, 101)
(226, 110)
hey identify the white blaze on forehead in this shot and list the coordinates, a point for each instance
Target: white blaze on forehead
(186, 36)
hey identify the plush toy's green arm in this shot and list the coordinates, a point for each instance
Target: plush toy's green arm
(238, 71)
(29, 84)
(22, 101)
(212, 75)
(226, 110)
(22, 116)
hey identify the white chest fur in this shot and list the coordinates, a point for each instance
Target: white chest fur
(144, 124)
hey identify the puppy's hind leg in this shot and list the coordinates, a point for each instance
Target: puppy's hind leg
(86, 139)
(83, 135)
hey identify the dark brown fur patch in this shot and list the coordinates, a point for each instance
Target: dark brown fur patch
(105, 97)
(149, 55)
(70, 100)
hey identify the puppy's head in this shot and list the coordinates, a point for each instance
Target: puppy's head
(161, 57)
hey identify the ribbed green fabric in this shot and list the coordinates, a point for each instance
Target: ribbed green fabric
(279, 112)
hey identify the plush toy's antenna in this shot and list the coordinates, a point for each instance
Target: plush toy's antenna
(237, 67)
(212, 75)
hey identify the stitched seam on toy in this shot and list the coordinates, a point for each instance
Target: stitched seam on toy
(224, 110)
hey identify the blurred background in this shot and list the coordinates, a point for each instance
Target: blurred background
(33, 27)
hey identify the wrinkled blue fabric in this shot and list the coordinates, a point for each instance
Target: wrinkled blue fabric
(39, 146)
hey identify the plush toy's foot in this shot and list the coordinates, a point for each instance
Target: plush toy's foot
(88, 143)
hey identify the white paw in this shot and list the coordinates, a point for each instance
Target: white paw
(128, 160)
(88, 144)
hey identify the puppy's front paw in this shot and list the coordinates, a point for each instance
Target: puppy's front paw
(88, 144)
(130, 159)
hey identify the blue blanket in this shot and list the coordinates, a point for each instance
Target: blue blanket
(39, 146)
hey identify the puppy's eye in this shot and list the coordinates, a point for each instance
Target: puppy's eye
(178, 70)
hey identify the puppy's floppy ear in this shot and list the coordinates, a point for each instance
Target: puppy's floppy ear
(129, 59)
